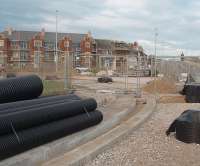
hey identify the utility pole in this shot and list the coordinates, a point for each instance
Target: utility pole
(152, 67)
(56, 55)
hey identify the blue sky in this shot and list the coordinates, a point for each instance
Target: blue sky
(177, 21)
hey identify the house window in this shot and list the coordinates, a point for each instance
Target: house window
(87, 44)
(36, 58)
(23, 44)
(37, 43)
(23, 56)
(49, 45)
(15, 54)
(46, 55)
(66, 44)
(46, 45)
(14, 44)
(1, 43)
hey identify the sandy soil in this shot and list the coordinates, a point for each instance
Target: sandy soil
(172, 99)
(162, 86)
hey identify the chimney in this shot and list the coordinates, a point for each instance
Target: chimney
(9, 30)
(89, 34)
(135, 45)
(43, 33)
(2, 35)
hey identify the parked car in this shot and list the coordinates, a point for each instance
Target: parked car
(82, 69)
(105, 79)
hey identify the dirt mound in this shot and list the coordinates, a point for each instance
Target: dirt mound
(172, 99)
(162, 86)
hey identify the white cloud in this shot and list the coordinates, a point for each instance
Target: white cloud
(127, 4)
(178, 21)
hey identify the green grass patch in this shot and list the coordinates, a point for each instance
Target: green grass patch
(53, 87)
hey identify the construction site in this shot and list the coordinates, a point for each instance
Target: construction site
(119, 103)
(99, 83)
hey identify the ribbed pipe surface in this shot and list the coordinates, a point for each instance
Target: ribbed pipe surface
(20, 88)
(24, 140)
(37, 116)
(192, 92)
(28, 104)
(187, 127)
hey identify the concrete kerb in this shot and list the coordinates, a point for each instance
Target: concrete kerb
(90, 150)
(54, 149)
(83, 137)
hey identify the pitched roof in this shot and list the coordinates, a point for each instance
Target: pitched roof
(103, 44)
(49, 36)
(76, 38)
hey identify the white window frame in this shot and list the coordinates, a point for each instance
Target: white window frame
(24, 44)
(37, 43)
(14, 44)
(1, 43)
(87, 45)
(23, 55)
(66, 44)
(37, 55)
(16, 54)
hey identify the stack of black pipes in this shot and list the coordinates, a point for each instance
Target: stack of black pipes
(30, 123)
(192, 93)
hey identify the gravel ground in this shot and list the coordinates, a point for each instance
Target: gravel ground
(149, 146)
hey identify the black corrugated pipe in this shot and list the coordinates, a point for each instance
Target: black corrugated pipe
(187, 127)
(10, 75)
(36, 101)
(37, 116)
(24, 140)
(20, 88)
(28, 104)
(192, 92)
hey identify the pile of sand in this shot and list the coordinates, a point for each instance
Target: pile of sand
(162, 86)
(172, 99)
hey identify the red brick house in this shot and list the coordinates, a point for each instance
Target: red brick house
(33, 49)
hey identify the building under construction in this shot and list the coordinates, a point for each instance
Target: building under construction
(32, 49)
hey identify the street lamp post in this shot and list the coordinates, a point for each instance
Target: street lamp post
(67, 70)
(69, 63)
(155, 56)
(56, 56)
